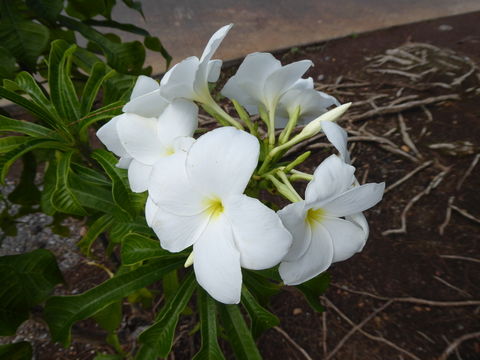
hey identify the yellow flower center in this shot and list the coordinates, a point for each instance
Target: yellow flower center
(214, 207)
(169, 151)
(314, 216)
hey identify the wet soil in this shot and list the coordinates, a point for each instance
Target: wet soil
(418, 274)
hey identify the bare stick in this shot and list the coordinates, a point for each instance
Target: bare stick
(402, 99)
(433, 184)
(469, 171)
(406, 137)
(291, 341)
(457, 257)
(446, 283)
(451, 348)
(408, 176)
(324, 333)
(357, 328)
(411, 76)
(448, 216)
(412, 300)
(465, 214)
(370, 336)
(383, 110)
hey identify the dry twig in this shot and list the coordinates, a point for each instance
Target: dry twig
(457, 257)
(451, 348)
(370, 336)
(465, 214)
(446, 283)
(406, 137)
(291, 341)
(469, 171)
(408, 176)
(448, 216)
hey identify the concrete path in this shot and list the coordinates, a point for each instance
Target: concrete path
(184, 26)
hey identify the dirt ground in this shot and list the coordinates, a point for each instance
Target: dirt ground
(414, 291)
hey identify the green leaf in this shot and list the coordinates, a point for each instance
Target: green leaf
(32, 108)
(238, 333)
(26, 280)
(85, 9)
(120, 230)
(97, 76)
(208, 328)
(262, 288)
(27, 83)
(118, 88)
(18, 351)
(26, 192)
(94, 197)
(262, 319)
(90, 175)
(8, 65)
(124, 57)
(137, 248)
(63, 197)
(25, 40)
(7, 159)
(110, 317)
(61, 312)
(154, 43)
(100, 225)
(9, 143)
(312, 290)
(116, 25)
(160, 335)
(62, 91)
(135, 5)
(106, 112)
(49, 9)
(120, 189)
(25, 127)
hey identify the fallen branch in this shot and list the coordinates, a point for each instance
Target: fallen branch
(448, 216)
(465, 214)
(408, 176)
(406, 137)
(457, 257)
(468, 172)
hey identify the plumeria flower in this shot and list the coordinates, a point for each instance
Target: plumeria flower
(196, 198)
(309, 104)
(261, 80)
(322, 230)
(189, 79)
(142, 141)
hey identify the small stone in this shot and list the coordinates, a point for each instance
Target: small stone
(445, 27)
(405, 148)
(297, 311)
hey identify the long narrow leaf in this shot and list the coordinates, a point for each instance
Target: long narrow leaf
(208, 328)
(99, 226)
(9, 143)
(62, 91)
(262, 319)
(90, 91)
(238, 334)
(137, 248)
(25, 127)
(63, 198)
(160, 335)
(27, 83)
(61, 312)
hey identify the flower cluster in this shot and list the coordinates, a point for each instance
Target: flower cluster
(196, 186)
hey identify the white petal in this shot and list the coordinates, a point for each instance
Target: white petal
(355, 200)
(143, 86)
(293, 217)
(222, 161)
(217, 262)
(139, 138)
(108, 135)
(214, 68)
(304, 84)
(347, 237)
(176, 232)
(170, 188)
(259, 234)
(316, 259)
(246, 86)
(338, 137)
(180, 118)
(361, 221)
(124, 162)
(282, 79)
(139, 176)
(148, 105)
(183, 143)
(215, 42)
(178, 81)
(150, 211)
(332, 177)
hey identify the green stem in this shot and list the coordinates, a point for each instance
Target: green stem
(271, 127)
(290, 187)
(223, 114)
(292, 122)
(245, 117)
(283, 189)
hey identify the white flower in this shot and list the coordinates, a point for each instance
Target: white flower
(189, 79)
(197, 199)
(320, 235)
(261, 81)
(309, 102)
(142, 141)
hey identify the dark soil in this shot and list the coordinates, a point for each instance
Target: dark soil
(405, 265)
